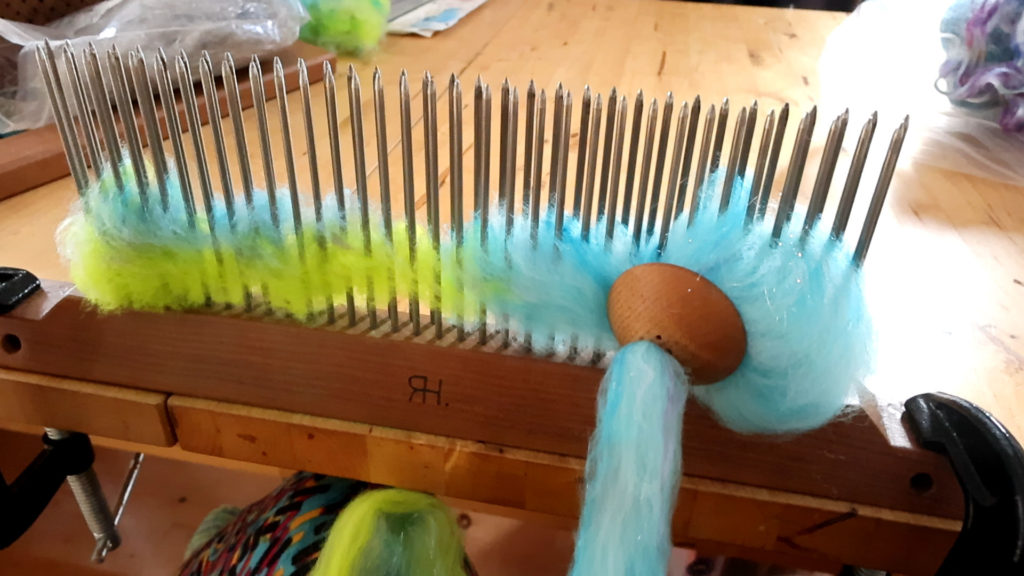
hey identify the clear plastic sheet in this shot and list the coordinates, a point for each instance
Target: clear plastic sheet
(886, 56)
(243, 27)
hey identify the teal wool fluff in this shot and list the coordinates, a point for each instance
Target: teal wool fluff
(809, 337)
(634, 466)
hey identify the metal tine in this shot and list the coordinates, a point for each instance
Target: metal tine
(65, 126)
(380, 123)
(483, 159)
(881, 189)
(581, 154)
(331, 102)
(563, 190)
(234, 100)
(773, 162)
(557, 125)
(762, 159)
(606, 156)
(588, 189)
(748, 140)
(716, 152)
(659, 165)
(860, 156)
(482, 147)
(433, 194)
(82, 110)
(314, 178)
(170, 108)
(691, 143)
(538, 167)
(794, 175)
(538, 164)
(486, 180)
(359, 155)
(289, 164)
(739, 131)
(126, 111)
(503, 130)
(826, 169)
(101, 104)
(409, 185)
(507, 160)
(613, 184)
(188, 98)
(234, 103)
(260, 103)
(702, 162)
(528, 137)
(673, 176)
(634, 150)
(174, 128)
(563, 166)
(510, 209)
(645, 172)
(147, 105)
(214, 115)
(454, 182)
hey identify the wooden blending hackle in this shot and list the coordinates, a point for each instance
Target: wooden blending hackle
(687, 315)
(646, 186)
(402, 362)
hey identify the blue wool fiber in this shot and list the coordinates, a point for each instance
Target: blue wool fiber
(809, 336)
(633, 467)
(553, 287)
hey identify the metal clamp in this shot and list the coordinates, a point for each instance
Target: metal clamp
(65, 455)
(102, 521)
(989, 464)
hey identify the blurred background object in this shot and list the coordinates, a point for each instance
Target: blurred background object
(895, 56)
(345, 26)
(836, 5)
(243, 27)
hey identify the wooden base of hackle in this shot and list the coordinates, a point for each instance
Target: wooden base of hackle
(443, 388)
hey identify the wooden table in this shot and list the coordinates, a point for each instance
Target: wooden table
(947, 258)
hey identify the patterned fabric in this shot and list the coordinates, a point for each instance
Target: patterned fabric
(280, 535)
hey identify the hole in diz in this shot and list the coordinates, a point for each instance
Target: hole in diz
(922, 483)
(10, 344)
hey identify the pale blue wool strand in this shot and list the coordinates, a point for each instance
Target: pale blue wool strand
(808, 343)
(634, 466)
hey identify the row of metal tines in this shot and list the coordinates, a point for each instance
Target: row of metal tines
(613, 183)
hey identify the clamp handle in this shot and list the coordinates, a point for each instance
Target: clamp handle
(989, 464)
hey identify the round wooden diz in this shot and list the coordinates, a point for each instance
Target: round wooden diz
(684, 313)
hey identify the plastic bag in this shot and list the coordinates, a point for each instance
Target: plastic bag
(886, 56)
(243, 27)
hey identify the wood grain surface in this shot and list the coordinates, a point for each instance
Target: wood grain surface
(767, 524)
(109, 411)
(478, 395)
